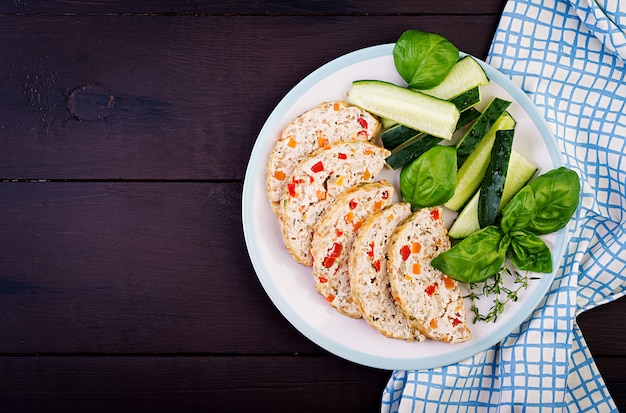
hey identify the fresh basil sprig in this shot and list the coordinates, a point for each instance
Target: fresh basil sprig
(424, 59)
(543, 206)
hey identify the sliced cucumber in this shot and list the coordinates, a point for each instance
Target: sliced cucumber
(519, 172)
(387, 123)
(419, 144)
(466, 74)
(397, 135)
(411, 151)
(471, 173)
(470, 140)
(467, 116)
(407, 107)
(493, 183)
(467, 99)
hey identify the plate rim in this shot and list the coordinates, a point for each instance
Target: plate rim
(309, 331)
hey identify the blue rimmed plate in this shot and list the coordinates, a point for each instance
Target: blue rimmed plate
(290, 285)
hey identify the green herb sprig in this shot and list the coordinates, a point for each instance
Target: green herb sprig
(495, 288)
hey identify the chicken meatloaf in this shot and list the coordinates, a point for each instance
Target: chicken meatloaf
(333, 235)
(431, 301)
(369, 281)
(315, 183)
(325, 124)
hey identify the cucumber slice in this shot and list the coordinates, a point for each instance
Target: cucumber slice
(467, 116)
(416, 146)
(477, 132)
(466, 74)
(407, 107)
(467, 100)
(387, 123)
(412, 151)
(464, 101)
(519, 172)
(397, 135)
(472, 172)
(493, 183)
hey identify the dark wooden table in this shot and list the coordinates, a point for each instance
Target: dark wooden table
(126, 127)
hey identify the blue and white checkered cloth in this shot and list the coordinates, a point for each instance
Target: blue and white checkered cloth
(569, 57)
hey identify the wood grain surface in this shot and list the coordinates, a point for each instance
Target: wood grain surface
(126, 128)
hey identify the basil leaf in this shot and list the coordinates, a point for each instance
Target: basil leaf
(475, 259)
(528, 252)
(430, 179)
(519, 211)
(556, 193)
(423, 59)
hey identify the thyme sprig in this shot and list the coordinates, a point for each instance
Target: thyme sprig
(495, 287)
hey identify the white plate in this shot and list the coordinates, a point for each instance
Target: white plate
(290, 285)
